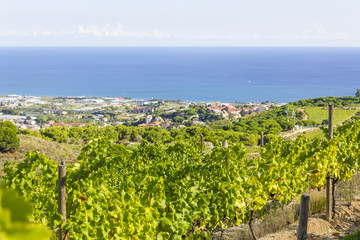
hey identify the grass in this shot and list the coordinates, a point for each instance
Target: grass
(276, 217)
(317, 201)
(349, 189)
(318, 114)
(54, 150)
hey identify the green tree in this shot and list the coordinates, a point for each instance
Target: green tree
(357, 92)
(9, 142)
(178, 119)
(10, 111)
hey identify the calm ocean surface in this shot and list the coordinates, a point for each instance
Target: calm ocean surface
(188, 73)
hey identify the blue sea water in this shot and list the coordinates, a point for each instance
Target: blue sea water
(241, 74)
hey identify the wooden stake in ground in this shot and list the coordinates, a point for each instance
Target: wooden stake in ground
(225, 143)
(329, 179)
(329, 201)
(61, 199)
(331, 121)
(304, 217)
(262, 139)
(202, 143)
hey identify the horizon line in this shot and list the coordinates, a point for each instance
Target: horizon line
(200, 46)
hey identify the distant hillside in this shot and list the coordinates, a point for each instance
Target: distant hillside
(324, 101)
(54, 150)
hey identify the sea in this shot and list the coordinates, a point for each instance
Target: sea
(196, 74)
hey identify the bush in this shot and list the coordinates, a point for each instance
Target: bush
(9, 142)
(354, 236)
(248, 139)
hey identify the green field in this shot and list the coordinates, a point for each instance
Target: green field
(318, 114)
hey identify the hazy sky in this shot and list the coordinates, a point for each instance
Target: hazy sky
(180, 23)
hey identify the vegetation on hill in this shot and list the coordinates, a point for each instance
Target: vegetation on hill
(57, 151)
(270, 122)
(324, 101)
(246, 130)
(203, 113)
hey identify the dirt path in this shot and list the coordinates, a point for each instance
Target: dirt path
(295, 132)
(306, 115)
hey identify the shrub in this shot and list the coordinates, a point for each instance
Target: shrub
(354, 236)
(9, 142)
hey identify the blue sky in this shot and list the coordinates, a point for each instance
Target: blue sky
(180, 23)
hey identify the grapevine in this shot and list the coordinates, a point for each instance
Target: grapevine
(173, 190)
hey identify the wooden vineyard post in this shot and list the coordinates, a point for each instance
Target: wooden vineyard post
(202, 143)
(62, 195)
(329, 198)
(329, 179)
(304, 217)
(225, 143)
(331, 121)
(262, 139)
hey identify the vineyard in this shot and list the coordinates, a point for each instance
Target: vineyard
(176, 189)
(319, 114)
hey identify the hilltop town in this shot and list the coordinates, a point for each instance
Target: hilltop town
(35, 113)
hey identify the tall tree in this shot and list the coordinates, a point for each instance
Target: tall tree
(9, 142)
(358, 92)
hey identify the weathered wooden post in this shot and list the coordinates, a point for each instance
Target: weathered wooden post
(329, 179)
(225, 143)
(329, 200)
(304, 217)
(331, 121)
(62, 195)
(262, 139)
(202, 143)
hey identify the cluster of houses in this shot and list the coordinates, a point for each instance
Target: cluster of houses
(227, 110)
(54, 124)
(237, 110)
(13, 101)
(151, 121)
(21, 122)
(142, 110)
(132, 109)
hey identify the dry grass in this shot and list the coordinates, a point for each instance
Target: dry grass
(54, 150)
(276, 218)
(348, 190)
(282, 216)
